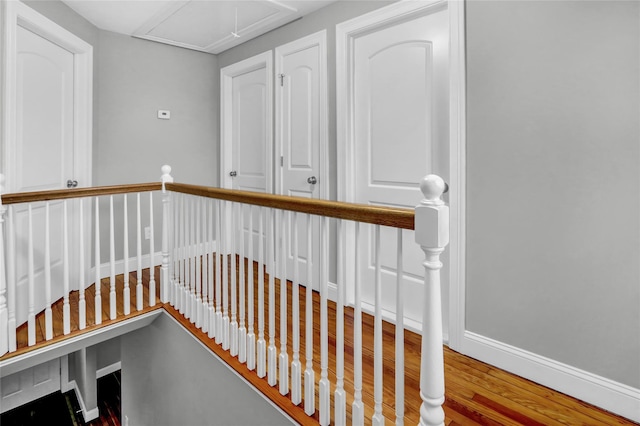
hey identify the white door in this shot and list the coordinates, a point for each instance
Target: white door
(301, 134)
(43, 157)
(247, 131)
(400, 105)
(30, 384)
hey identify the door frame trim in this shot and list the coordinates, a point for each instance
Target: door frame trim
(18, 14)
(346, 34)
(262, 60)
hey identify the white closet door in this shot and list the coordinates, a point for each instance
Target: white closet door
(400, 82)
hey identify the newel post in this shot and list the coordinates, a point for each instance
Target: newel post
(166, 218)
(432, 234)
(4, 315)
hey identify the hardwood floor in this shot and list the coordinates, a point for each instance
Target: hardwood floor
(476, 393)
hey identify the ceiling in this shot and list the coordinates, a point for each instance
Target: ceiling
(204, 25)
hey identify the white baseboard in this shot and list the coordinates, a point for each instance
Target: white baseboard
(409, 324)
(87, 415)
(104, 371)
(105, 268)
(610, 395)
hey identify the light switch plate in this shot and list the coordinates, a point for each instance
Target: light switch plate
(164, 114)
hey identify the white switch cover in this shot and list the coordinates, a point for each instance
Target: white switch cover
(164, 114)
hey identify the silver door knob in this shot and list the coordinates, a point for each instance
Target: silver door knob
(233, 173)
(312, 180)
(72, 183)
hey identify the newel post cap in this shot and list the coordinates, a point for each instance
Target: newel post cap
(166, 175)
(2, 180)
(432, 215)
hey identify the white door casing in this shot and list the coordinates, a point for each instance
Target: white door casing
(394, 72)
(47, 136)
(301, 137)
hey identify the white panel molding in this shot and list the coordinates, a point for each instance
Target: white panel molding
(18, 14)
(608, 394)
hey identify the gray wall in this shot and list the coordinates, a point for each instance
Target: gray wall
(168, 378)
(553, 184)
(137, 78)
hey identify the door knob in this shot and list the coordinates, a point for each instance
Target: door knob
(312, 180)
(72, 183)
(233, 173)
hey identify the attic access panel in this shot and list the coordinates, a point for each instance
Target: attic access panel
(207, 25)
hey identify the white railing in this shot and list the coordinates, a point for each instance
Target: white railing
(46, 241)
(215, 245)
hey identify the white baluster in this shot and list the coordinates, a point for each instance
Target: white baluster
(324, 386)
(184, 263)
(283, 358)
(233, 326)
(193, 282)
(97, 285)
(165, 276)
(175, 247)
(152, 253)
(204, 250)
(432, 234)
(251, 338)
(4, 310)
(11, 281)
(139, 294)
(211, 276)
(31, 317)
(66, 307)
(242, 330)
(261, 344)
(378, 418)
(272, 374)
(82, 303)
(309, 373)
(340, 396)
(112, 263)
(126, 294)
(225, 276)
(399, 334)
(296, 366)
(357, 408)
(219, 271)
(48, 314)
(198, 262)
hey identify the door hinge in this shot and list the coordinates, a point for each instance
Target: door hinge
(281, 77)
(282, 161)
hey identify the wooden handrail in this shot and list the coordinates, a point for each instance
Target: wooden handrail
(379, 215)
(61, 194)
(394, 217)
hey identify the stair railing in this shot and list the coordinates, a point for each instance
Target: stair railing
(39, 235)
(216, 244)
(225, 240)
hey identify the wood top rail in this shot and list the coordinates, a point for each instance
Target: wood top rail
(61, 194)
(394, 217)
